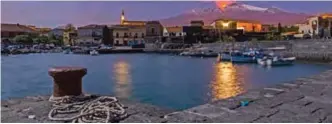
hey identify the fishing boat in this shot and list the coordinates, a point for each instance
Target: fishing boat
(276, 61)
(94, 52)
(238, 57)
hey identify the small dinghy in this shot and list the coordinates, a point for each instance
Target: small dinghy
(94, 52)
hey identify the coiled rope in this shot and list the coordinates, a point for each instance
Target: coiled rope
(87, 109)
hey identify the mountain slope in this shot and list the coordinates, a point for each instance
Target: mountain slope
(242, 11)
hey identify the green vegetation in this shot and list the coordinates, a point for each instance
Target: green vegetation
(23, 39)
(34, 39)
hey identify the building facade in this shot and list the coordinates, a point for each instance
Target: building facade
(128, 35)
(317, 26)
(231, 24)
(90, 34)
(154, 32)
(174, 34)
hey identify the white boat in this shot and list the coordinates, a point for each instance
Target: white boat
(94, 52)
(275, 61)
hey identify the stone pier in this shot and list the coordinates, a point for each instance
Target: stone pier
(306, 100)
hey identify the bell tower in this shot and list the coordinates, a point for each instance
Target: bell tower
(122, 18)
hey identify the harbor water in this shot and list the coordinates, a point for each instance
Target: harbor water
(167, 81)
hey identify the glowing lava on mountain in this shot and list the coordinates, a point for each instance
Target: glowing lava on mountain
(223, 4)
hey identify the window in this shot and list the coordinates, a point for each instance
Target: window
(135, 35)
(152, 31)
(142, 35)
(130, 34)
(180, 34)
(117, 42)
(117, 35)
(302, 32)
(309, 31)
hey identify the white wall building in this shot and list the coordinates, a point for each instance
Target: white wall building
(90, 34)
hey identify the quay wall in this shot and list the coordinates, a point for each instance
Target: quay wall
(309, 50)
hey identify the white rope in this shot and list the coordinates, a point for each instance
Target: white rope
(87, 109)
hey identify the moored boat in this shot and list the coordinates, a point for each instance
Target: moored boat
(94, 52)
(276, 61)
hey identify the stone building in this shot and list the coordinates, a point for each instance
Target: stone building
(154, 32)
(124, 35)
(90, 34)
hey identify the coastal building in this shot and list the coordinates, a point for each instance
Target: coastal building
(12, 30)
(125, 35)
(314, 26)
(93, 35)
(232, 24)
(174, 34)
(154, 32)
(57, 32)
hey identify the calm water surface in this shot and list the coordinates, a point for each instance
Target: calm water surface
(167, 81)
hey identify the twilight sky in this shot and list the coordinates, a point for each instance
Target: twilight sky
(56, 13)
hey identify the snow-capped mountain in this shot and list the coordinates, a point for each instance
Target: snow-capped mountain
(272, 15)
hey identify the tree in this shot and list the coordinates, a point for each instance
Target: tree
(23, 39)
(70, 28)
(41, 39)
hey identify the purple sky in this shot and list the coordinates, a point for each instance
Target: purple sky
(53, 14)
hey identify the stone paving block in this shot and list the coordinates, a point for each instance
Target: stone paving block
(259, 110)
(328, 119)
(186, 117)
(302, 102)
(320, 99)
(208, 110)
(282, 114)
(237, 118)
(143, 118)
(252, 94)
(299, 110)
(231, 103)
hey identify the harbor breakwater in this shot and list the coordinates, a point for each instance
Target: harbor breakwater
(318, 50)
(309, 50)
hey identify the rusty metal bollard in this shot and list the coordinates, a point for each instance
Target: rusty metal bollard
(67, 80)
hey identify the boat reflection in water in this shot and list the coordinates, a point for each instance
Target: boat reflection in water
(226, 83)
(122, 77)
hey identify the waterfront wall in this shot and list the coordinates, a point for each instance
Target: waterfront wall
(312, 49)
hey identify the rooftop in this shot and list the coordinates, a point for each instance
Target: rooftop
(174, 29)
(16, 28)
(92, 26)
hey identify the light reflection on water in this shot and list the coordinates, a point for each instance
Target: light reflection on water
(226, 82)
(123, 80)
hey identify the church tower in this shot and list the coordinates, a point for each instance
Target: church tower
(122, 19)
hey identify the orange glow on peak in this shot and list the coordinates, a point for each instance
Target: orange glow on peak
(224, 3)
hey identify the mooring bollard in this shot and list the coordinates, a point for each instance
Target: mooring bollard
(67, 80)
